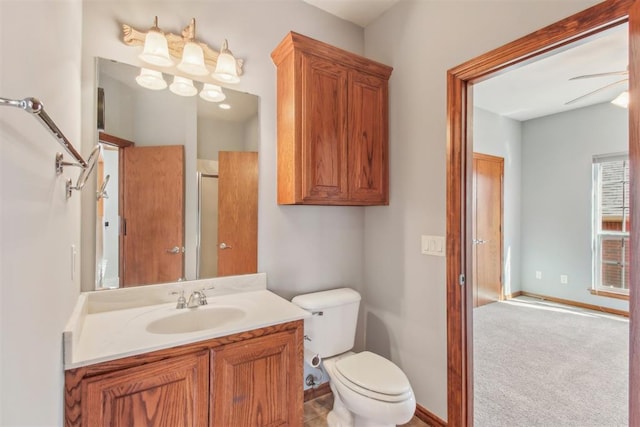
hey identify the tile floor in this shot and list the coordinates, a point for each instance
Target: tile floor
(316, 410)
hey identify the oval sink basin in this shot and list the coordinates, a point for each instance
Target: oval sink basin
(196, 319)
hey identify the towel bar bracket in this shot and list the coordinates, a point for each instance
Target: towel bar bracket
(34, 106)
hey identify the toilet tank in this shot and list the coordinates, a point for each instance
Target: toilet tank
(332, 325)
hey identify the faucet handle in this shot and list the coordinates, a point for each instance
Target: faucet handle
(203, 296)
(182, 301)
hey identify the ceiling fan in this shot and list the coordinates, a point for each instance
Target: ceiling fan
(589, 76)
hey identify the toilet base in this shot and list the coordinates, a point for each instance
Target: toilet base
(341, 416)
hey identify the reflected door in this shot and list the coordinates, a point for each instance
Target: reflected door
(153, 215)
(237, 212)
(487, 228)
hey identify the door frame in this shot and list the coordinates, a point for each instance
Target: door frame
(459, 151)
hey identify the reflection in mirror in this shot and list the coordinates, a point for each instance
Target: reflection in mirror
(177, 183)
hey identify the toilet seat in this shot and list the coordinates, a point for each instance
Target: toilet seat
(373, 376)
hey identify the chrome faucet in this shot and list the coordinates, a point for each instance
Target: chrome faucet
(197, 299)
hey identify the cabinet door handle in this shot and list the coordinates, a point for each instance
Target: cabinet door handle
(174, 250)
(224, 246)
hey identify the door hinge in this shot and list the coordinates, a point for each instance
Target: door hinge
(461, 279)
(123, 226)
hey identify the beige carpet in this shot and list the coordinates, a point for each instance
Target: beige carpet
(540, 364)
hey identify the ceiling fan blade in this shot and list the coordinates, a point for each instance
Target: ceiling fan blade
(610, 73)
(595, 91)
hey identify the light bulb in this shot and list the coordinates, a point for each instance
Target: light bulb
(226, 66)
(151, 79)
(193, 60)
(156, 50)
(212, 93)
(183, 86)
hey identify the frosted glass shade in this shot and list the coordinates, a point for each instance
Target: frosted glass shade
(183, 86)
(156, 50)
(193, 60)
(212, 93)
(151, 79)
(622, 100)
(226, 66)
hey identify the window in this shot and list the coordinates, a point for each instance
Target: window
(611, 259)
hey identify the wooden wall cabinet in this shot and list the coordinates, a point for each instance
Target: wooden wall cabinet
(250, 379)
(332, 125)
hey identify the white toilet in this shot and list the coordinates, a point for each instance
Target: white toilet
(368, 390)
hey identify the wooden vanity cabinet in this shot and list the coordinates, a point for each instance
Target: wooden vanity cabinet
(332, 125)
(172, 392)
(247, 379)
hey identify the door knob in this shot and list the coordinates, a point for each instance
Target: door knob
(174, 250)
(224, 246)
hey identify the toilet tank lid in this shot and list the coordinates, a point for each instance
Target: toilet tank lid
(326, 299)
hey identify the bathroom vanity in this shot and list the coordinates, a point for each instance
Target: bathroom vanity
(235, 361)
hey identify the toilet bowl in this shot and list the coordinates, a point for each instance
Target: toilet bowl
(368, 391)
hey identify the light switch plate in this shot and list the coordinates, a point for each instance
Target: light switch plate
(433, 245)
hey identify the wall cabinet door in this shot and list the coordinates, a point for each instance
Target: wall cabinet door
(324, 130)
(172, 393)
(257, 382)
(368, 133)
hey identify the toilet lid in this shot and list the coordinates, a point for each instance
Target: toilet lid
(374, 373)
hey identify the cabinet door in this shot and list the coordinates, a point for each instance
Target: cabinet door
(324, 130)
(368, 139)
(257, 382)
(173, 392)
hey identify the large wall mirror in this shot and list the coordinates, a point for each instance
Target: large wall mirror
(177, 182)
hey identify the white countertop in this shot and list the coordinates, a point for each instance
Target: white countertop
(100, 329)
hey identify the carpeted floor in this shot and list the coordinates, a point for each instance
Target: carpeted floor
(540, 364)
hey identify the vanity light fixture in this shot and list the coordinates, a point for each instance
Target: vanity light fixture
(183, 86)
(151, 79)
(212, 93)
(156, 49)
(622, 100)
(185, 47)
(226, 66)
(192, 54)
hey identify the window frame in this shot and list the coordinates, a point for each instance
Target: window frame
(599, 235)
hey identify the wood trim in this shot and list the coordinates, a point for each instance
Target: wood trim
(634, 158)
(304, 43)
(609, 294)
(114, 140)
(513, 295)
(459, 144)
(429, 417)
(577, 304)
(321, 390)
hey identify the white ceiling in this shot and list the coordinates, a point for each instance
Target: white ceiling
(543, 87)
(360, 12)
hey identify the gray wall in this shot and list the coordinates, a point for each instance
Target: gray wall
(375, 250)
(501, 136)
(405, 298)
(40, 51)
(556, 198)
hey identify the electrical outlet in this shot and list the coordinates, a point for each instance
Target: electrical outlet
(564, 279)
(538, 275)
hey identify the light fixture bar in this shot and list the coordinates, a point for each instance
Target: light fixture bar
(133, 37)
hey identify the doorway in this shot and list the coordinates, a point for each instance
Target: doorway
(459, 259)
